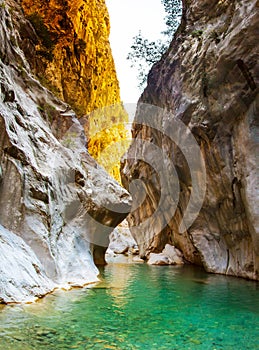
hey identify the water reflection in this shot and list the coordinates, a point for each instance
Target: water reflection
(119, 277)
(139, 307)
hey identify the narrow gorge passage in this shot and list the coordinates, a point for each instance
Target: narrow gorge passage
(176, 201)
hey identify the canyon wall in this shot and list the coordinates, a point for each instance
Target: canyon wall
(57, 205)
(67, 46)
(208, 82)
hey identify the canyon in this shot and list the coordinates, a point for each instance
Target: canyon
(190, 176)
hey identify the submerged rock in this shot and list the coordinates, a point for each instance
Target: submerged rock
(208, 81)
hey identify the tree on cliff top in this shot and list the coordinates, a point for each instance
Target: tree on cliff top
(145, 53)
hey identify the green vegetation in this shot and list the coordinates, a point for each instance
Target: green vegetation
(145, 53)
(197, 33)
(45, 82)
(48, 112)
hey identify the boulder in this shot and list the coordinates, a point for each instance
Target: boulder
(158, 259)
(169, 256)
(137, 259)
(121, 240)
(175, 255)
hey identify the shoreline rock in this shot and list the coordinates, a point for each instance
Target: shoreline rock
(169, 256)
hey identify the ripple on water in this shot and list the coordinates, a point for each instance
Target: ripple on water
(140, 307)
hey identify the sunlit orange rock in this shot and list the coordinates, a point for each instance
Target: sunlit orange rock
(71, 55)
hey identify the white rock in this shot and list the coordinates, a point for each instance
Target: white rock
(121, 240)
(169, 256)
(158, 259)
(137, 259)
(175, 255)
(22, 277)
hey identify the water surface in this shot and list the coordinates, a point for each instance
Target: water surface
(137, 306)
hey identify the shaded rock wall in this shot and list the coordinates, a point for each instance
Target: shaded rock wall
(208, 79)
(57, 205)
(67, 46)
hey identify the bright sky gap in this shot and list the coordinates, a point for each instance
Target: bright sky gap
(127, 17)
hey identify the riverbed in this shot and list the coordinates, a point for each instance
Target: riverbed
(136, 306)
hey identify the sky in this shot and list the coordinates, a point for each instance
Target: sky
(127, 17)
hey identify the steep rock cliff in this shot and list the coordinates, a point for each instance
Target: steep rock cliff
(208, 79)
(57, 205)
(67, 46)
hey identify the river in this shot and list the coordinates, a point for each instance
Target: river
(137, 306)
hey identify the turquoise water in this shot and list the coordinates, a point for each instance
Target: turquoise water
(140, 307)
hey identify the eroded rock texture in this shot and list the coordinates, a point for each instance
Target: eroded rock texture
(209, 80)
(67, 46)
(71, 50)
(57, 205)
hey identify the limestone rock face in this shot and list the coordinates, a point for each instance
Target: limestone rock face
(22, 276)
(57, 205)
(208, 79)
(73, 51)
(67, 46)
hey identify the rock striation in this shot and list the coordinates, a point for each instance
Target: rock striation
(67, 46)
(57, 205)
(71, 51)
(208, 80)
